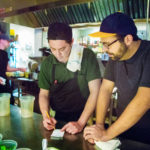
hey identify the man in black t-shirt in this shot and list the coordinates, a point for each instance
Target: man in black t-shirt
(128, 70)
(4, 66)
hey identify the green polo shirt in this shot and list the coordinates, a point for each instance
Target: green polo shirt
(89, 71)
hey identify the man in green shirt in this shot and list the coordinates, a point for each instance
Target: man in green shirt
(69, 81)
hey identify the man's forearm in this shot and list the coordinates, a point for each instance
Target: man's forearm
(129, 117)
(44, 104)
(12, 69)
(91, 102)
(102, 106)
(88, 110)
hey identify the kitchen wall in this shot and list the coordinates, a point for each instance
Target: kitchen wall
(24, 46)
(80, 35)
(30, 40)
(38, 41)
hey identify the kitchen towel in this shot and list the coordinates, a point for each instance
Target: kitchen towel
(109, 145)
(75, 58)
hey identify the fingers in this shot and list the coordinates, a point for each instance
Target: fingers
(49, 123)
(94, 132)
(22, 69)
(65, 127)
(48, 126)
(87, 134)
(88, 130)
(72, 128)
(53, 121)
(89, 137)
(91, 141)
(1, 81)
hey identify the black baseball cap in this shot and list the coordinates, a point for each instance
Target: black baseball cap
(5, 37)
(116, 23)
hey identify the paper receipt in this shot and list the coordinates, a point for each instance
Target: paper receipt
(57, 133)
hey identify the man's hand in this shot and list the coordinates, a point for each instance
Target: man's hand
(49, 123)
(72, 127)
(95, 133)
(101, 126)
(22, 69)
(1, 81)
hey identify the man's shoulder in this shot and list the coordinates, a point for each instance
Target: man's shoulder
(145, 45)
(3, 52)
(110, 61)
(145, 42)
(88, 52)
(145, 48)
(4, 55)
(48, 60)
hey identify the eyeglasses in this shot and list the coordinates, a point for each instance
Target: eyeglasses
(108, 45)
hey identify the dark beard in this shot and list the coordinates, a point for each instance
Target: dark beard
(122, 51)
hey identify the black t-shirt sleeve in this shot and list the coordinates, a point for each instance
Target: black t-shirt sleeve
(109, 71)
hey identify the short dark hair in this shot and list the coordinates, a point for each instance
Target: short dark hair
(60, 31)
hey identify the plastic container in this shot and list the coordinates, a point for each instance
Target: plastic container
(27, 103)
(8, 145)
(4, 104)
(26, 74)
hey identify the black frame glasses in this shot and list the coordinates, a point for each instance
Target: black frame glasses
(108, 45)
